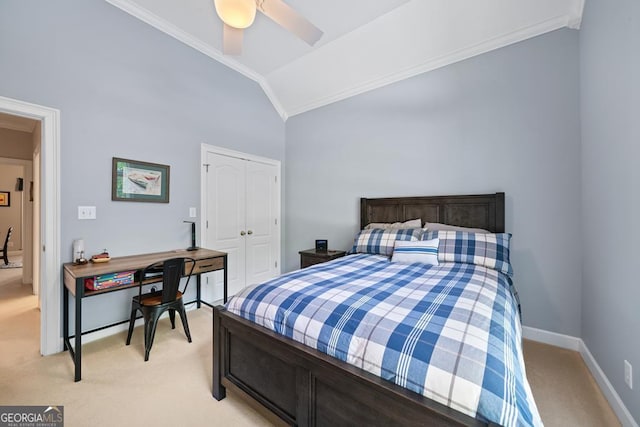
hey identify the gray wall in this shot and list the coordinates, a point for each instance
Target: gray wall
(127, 90)
(610, 105)
(505, 121)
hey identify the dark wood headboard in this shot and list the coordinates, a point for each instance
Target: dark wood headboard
(477, 211)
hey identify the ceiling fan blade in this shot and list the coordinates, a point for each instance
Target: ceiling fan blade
(232, 40)
(291, 20)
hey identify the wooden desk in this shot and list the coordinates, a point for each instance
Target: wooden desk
(74, 275)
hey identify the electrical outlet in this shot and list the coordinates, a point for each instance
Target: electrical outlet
(628, 374)
(192, 213)
(86, 212)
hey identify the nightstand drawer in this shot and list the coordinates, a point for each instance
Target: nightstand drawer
(311, 257)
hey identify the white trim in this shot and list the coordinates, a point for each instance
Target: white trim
(551, 338)
(124, 327)
(575, 21)
(577, 344)
(111, 330)
(488, 45)
(168, 28)
(50, 316)
(572, 20)
(609, 392)
(204, 148)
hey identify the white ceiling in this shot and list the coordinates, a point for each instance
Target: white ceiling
(366, 43)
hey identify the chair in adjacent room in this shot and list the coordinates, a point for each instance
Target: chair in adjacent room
(154, 303)
(5, 247)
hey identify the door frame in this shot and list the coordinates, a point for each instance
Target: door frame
(206, 148)
(50, 292)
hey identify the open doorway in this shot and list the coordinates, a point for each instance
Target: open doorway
(38, 241)
(20, 137)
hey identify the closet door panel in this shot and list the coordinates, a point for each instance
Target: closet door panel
(226, 208)
(262, 228)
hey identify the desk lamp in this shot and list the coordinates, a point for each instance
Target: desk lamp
(193, 246)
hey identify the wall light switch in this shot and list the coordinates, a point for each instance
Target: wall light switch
(86, 212)
(192, 213)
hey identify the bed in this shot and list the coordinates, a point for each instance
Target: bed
(322, 383)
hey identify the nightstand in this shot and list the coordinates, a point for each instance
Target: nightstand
(311, 257)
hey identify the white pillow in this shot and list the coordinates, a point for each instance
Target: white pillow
(425, 252)
(412, 223)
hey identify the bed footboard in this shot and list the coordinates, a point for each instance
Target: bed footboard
(308, 388)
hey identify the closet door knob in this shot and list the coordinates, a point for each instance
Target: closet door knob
(249, 232)
(242, 233)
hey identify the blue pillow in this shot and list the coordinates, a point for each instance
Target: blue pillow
(425, 252)
(376, 241)
(490, 250)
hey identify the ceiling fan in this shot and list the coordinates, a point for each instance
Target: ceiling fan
(239, 14)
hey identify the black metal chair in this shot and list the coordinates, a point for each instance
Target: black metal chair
(5, 248)
(154, 303)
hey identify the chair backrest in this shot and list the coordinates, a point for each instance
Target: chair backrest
(5, 250)
(172, 271)
(6, 240)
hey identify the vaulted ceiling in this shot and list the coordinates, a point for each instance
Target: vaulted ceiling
(366, 43)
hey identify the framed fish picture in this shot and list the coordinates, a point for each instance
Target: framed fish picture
(135, 181)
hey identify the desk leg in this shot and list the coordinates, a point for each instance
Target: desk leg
(198, 290)
(224, 281)
(77, 360)
(65, 318)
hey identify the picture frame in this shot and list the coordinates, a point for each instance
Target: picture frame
(5, 199)
(137, 181)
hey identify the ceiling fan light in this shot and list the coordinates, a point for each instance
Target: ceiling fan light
(236, 13)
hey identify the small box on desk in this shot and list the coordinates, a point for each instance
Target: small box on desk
(110, 280)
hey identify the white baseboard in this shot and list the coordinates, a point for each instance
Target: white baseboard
(112, 330)
(576, 344)
(551, 338)
(107, 332)
(610, 393)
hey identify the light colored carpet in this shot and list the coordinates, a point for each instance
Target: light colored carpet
(565, 391)
(174, 386)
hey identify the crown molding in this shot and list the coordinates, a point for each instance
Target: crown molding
(168, 28)
(571, 19)
(548, 25)
(575, 20)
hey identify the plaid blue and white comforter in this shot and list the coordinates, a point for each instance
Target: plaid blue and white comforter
(449, 332)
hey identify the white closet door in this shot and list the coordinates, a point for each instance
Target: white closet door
(262, 249)
(226, 207)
